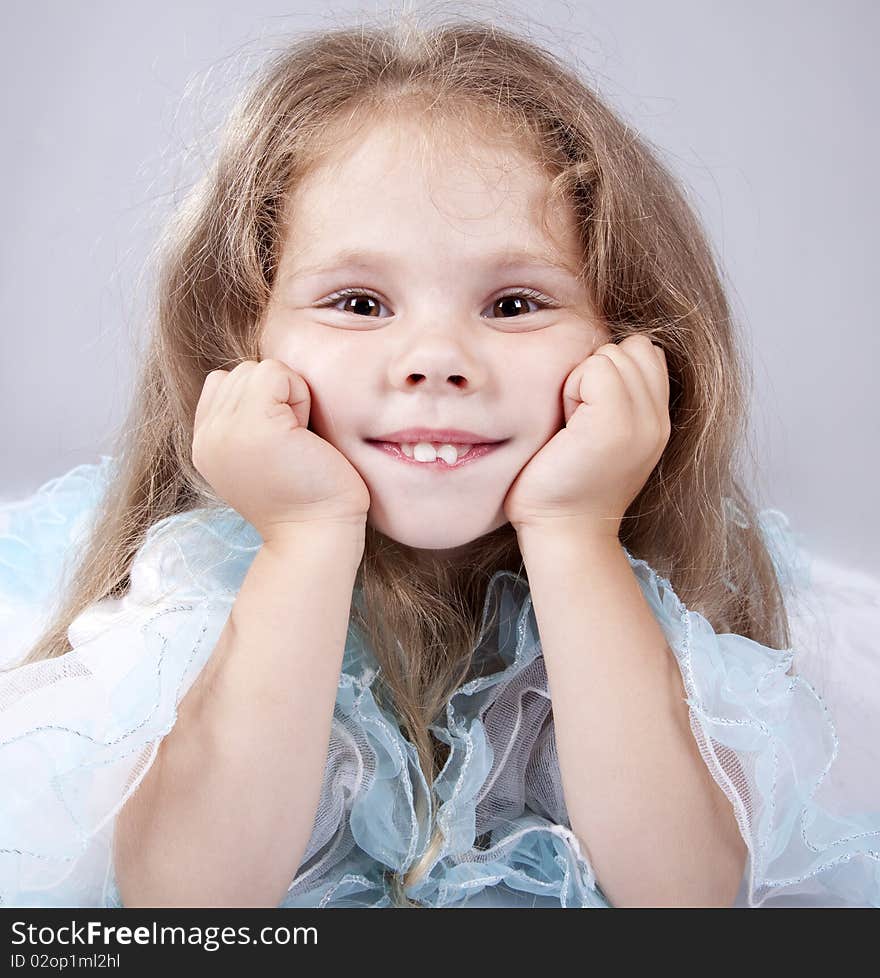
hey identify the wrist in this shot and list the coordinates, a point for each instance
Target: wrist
(344, 538)
(567, 543)
(597, 530)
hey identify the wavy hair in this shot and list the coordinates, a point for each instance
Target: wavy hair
(644, 259)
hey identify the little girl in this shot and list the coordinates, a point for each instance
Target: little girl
(464, 606)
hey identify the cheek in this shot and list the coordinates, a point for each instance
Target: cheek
(543, 379)
(291, 341)
(285, 346)
(539, 395)
(335, 391)
(314, 361)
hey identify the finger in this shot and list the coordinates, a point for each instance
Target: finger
(657, 375)
(210, 386)
(594, 381)
(236, 389)
(647, 375)
(281, 390)
(637, 393)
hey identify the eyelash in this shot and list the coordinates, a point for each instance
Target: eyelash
(532, 294)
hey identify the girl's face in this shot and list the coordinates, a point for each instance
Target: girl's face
(427, 338)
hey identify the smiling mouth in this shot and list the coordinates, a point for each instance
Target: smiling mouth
(440, 462)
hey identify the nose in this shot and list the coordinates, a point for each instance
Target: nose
(416, 379)
(437, 366)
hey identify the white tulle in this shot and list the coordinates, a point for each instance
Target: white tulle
(78, 733)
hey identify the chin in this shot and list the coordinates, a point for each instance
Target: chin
(422, 535)
(422, 541)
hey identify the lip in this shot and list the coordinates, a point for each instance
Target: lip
(474, 454)
(441, 436)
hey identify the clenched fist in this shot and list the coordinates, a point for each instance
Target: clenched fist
(252, 444)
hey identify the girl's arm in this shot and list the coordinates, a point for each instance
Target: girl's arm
(224, 815)
(657, 828)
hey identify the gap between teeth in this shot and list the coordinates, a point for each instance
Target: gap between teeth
(424, 451)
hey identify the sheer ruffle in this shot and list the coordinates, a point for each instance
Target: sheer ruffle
(78, 733)
(37, 533)
(769, 741)
(374, 789)
(499, 785)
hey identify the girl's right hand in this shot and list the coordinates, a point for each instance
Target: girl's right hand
(252, 444)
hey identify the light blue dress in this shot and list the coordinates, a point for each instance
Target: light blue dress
(77, 733)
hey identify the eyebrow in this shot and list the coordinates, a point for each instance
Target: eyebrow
(355, 258)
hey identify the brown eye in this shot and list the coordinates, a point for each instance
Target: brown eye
(516, 304)
(358, 303)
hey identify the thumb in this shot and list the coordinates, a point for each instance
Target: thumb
(293, 391)
(571, 391)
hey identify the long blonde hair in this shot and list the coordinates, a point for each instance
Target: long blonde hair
(646, 264)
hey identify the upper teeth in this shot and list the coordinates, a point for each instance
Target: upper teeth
(425, 451)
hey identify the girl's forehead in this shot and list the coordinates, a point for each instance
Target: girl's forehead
(381, 149)
(394, 175)
(424, 133)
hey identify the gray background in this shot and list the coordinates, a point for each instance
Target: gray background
(764, 109)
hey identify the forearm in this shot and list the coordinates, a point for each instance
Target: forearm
(657, 828)
(224, 814)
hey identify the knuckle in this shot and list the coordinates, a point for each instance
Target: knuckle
(270, 365)
(642, 342)
(272, 369)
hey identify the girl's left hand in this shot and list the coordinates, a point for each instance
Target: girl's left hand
(616, 407)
